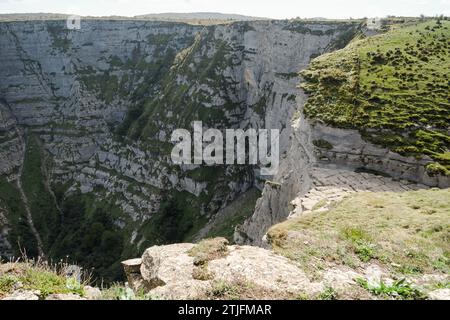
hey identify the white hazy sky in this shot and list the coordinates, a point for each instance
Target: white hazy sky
(263, 8)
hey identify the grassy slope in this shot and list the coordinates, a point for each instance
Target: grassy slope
(408, 233)
(37, 276)
(392, 87)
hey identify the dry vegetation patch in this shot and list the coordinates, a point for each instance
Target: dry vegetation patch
(406, 233)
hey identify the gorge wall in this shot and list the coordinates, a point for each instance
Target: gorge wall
(86, 117)
(311, 173)
(347, 138)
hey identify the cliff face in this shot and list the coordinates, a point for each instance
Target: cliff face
(355, 133)
(314, 173)
(89, 114)
(335, 161)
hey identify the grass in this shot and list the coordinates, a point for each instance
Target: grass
(328, 294)
(441, 285)
(208, 250)
(228, 290)
(319, 205)
(406, 233)
(35, 275)
(392, 87)
(205, 251)
(361, 243)
(400, 289)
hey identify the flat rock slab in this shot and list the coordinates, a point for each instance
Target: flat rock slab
(167, 264)
(170, 270)
(262, 268)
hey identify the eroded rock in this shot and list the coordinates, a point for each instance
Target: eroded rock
(23, 295)
(169, 271)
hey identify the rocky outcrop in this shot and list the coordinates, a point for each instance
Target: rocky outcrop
(292, 180)
(241, 272)
(332, 185)
(348, 149)
(170, 271)
(324, 165)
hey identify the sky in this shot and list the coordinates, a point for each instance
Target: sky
(278, 9)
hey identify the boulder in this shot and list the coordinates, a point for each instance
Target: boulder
(132, 269)
(262, 268)
(166, 264)
(169, 271)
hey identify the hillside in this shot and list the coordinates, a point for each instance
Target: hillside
(406, 234)
(392, 87)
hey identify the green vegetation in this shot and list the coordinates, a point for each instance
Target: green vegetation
(236, 213)
(167, 99)
(441, 285)
(153, 88)
(90, 237)
(105, 84)
(225, 290)
(323, 144)
(197, 68)
(406, 233)
(205, 251)
(20, 235)
(58, 32)
(45, 214)
(328, 294)
(209, 249)
(178, 218)
(392, 87)
(400, 289)
(38, 276)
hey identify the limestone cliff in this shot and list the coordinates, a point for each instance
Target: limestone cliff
(89, 113)
(361, 121)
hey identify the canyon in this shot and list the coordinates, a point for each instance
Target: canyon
(86, 118)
